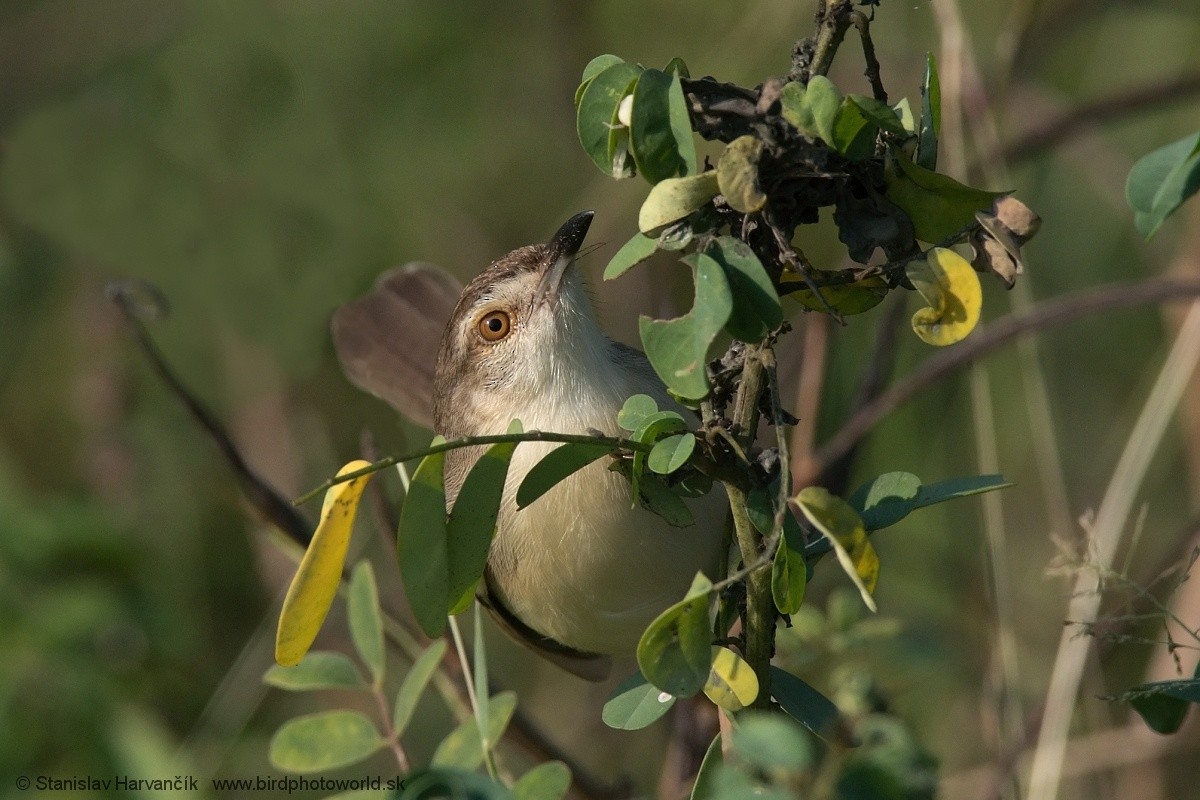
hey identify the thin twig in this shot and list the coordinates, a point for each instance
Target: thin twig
(987, 339)
(863, 24)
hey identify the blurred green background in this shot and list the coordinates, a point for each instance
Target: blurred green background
(262, 162)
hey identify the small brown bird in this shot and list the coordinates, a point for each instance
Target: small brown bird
(583, 570)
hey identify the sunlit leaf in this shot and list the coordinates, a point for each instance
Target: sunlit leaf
(472, 523)
(840, 523)
(632, 253)
(598, 110)
(813, 110)
(804, 703)
(366, 625)
(731, 683)
(889, 498)
(771, 741)
(671, 453)
(317, 670)
(930, 127)
(549, 780)
(853, 133)
(880, 114)
(559, 464)
(951, 288)
(678, 348)
(635, 704)
(651, 133)
(938, 205)
(421, 545)
(904, 113)
(635, 410)
(1161, 181)
(463, 748)
(675, 198)
(323, 741)
(737, 174)
(845, 298)
(649, 429)
(674, 653)
(414, 684)
(313, 588)
(756, 307)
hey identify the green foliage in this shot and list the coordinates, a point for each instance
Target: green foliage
(325, 740)
(422, 548)
(1164, 704)
(670, 454)
(557, 465)
(674, 653)
(803, 703)
(938, 205)
(634, 252)
(463, 748)
(601, 134)
(547, 781)
(930, 127)
(889, 498)
(756, 308)
(636, 703)
(414, 684)
(844, 529)
(789, 571)
(1161, 181)
(660, 131)
(366, 622)
(317, 670)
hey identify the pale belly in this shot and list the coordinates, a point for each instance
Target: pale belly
(586, 568)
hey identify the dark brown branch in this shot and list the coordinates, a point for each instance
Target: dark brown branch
(1122, 104)
(863, 24)
(986, 340)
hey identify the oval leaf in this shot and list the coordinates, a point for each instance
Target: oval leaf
(839, 523)
(756, 307)
(635, 704)
(892, 496)
(681, 121)
(598, 110)
(656, 496)
(824, 101)
(312, 590)
(472, 523)
(705, 787)
(1161, 181)
(366, 625)
(635, 410)
(421, 545)
(463, 748)
(632, 253)
(651, 135)
(414, 684)
(789, 572)
(731, 684)
(805, 704)
(737, 174)
(951, 287)
(938, 205)
(671, 453)
(846, 299)
(771, 742)
(675, 198)
(557, 465)
(546, 781)
(324, 741)
(317, 670)
(674, 653)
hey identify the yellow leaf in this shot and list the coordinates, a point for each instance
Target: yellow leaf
(843, 527)
(316, 582)
(731, 684)
(951, 287)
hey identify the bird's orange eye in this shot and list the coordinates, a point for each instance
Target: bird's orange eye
(495, 325)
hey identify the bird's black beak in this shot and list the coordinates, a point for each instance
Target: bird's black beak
(561, 253)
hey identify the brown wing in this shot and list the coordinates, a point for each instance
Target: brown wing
(387, 340)
(589, 666)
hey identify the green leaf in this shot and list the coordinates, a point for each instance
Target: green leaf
(651, 133)
(649, 429)
(938, 205)
(1164, 704)
(681, 122)
(316, 582)
(825, 101)
(789, 572)
(892, 496)
(678, 348)
(675, 652)
(635, 704)
(463, 748)
(805, 704)
(557, 465)
(483, 700)
(737, 174)
(903, 112)
(931, 116)
(846, 299)
(676, 67)
(656, 496)
(324, 741)
(756, 307)
(841, 525)
(632, 253)
(674, 198)
(597, 112)
(771, 742)
(366, 625)
(671, 453)
(421, 545)
(732, 684)
(472, 522)
(594, 68)
(881, 115)
(429, 784)
(317, 670)
(414, 684)
(705, 786)
(1161, 181)
(547, 781)
(635, 410)
(854, 134)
